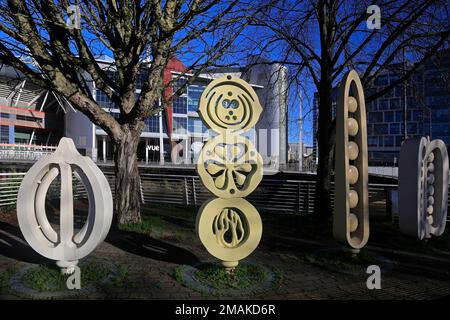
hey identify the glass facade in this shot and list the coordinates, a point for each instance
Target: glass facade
(180, 105)
(194, 94)
(427, 103)
(195, 125)
(152, 124)
(103, 100)
(179, 125)
(4, 134)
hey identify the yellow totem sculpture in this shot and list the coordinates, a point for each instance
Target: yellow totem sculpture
(230, 167)
(351, 199)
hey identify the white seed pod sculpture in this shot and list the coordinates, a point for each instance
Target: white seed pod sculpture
(351, 200)
(65, 246)
(423, 187)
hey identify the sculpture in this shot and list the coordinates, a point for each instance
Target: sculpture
(351, 200)
(230, 167)
(423, 187)
(64, 246)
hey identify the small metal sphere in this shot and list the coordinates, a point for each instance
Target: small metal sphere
(431, 157)
(353, 174)
(430, 179)
(353, 199)
(430, 190)
(430, 219)
(431, 167)
(430, 200)
(352, 222)
(352, 104)
(352, 127)
(430, 210)
(353, 150)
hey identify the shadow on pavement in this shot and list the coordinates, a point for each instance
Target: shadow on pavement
(145, 246)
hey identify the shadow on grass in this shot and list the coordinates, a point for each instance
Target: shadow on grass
(14, 246)
(148, 247)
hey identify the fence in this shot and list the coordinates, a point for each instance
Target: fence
(24, 152)
(272, 195)
(10, 184)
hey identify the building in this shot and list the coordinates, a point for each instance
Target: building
(385, 116)
(31, 119)
(436, 76)
(177, 134)
(427, 103)
(272, 127)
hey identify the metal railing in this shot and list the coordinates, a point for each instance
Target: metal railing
(272, 195)
(10, 184)
(17, 152)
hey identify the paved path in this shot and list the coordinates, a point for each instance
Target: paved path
(151, 262)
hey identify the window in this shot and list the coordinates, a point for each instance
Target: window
(388, 141)
(380, 129)
(393, 78)
(383, 104)
(389, 116)
(398, 91)
(381, 80)
(103, 100)
(394, 104)
(194, 94)
(4, 134)
(22, 137)
(142, 76)
(417, 115)
(152, 124)
(196, 126)
(180, 105)
(27, 118)
(412, 128)
(179, 125)
(375, 117)
(180, 83)
(398, 116)
(372, 141)
(394, 128)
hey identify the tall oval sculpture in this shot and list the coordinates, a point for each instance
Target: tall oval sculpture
(230, 167)
(351, 199)
(65, 246)
(423, 187)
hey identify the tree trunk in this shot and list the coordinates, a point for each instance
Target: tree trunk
(127, 202)
(325, 141)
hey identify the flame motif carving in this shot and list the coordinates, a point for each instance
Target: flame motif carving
(228, 221)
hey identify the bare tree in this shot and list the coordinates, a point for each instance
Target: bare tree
(320, 40)
(37, 40)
